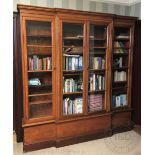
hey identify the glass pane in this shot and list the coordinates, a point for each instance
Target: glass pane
(97, 58)
(120, 67)
(72, 68)
(39, 64)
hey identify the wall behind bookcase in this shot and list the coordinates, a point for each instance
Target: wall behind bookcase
(85, 5)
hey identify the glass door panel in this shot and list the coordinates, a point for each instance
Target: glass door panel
(39, 64)
(120, 68)
(72, 68)
(97, 62)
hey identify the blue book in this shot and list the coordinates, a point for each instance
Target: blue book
(121, 100)
(76, 63)
(113, 101)
(100, 62)
(69, 63)
(80, 63)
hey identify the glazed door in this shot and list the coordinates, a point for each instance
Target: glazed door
(38, 66)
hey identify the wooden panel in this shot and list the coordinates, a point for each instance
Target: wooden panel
(39, 133)
(120, 119)
(80, 127)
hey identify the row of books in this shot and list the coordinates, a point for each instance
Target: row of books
(72, 62)
(95, 103)
(119, 100)
(120, 76)
(36, 63)
(72, 106)
(96, 82)
(72, 85)
(97, 63)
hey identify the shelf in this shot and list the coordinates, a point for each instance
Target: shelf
(101, 47)
(73, 38)
(122, 39)
(120, 108)
(120, 68)
(119, 88)
(97, 70)
(97, 39)
(44, 46)
(72, 71)
(43, 94)
(97, 53)
(72, 46)
(96, 91)
(40, 102)
(39, 86)
(39, 71)
(120, 54)
(119, 82)
(43, 36)
(73, 53)
(73, 93)
(121, 48)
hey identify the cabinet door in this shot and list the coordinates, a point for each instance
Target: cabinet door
(97, 67)
(72, 68)
(38, 67)
(121, 66)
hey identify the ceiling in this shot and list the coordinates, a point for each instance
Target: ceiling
(123, 2)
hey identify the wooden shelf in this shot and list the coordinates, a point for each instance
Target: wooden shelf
(101, 47)
(73, 93)
(120, 68)
(72, 46)
(120, 54)
(43, 46)
(115, 88)
(119, 82)
(41, 94)
(43, 36)
(97, 39)
(97, 53)
(96, 70)
(96, 91)
(121, 48)
(72, 71)
(120, 108)
(122, 39)
(39, 86)
(40, 102)
(39, 71)
(73, 53)
(73, 38)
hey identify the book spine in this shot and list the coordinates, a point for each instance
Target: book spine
(70, 63)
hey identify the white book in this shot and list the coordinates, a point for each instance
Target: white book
(100, 85)
(73, 63)
(116, 76)
(94, 82)
(91, 83)
(103, 83)
(103, 64)
(117, 101)
(120, 61)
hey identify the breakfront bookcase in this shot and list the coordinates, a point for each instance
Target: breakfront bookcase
(77, 72)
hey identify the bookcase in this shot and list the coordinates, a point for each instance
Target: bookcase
(77, 73)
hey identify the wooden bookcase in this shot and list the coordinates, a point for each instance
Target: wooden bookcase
(77, 72)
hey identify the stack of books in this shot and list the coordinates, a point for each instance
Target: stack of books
(72, 106)
(119, 76)
(72, 62)
(95, 103)
(97, 63)
(36, 63)
(71, 85)
(96, 82)
(119, 100)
